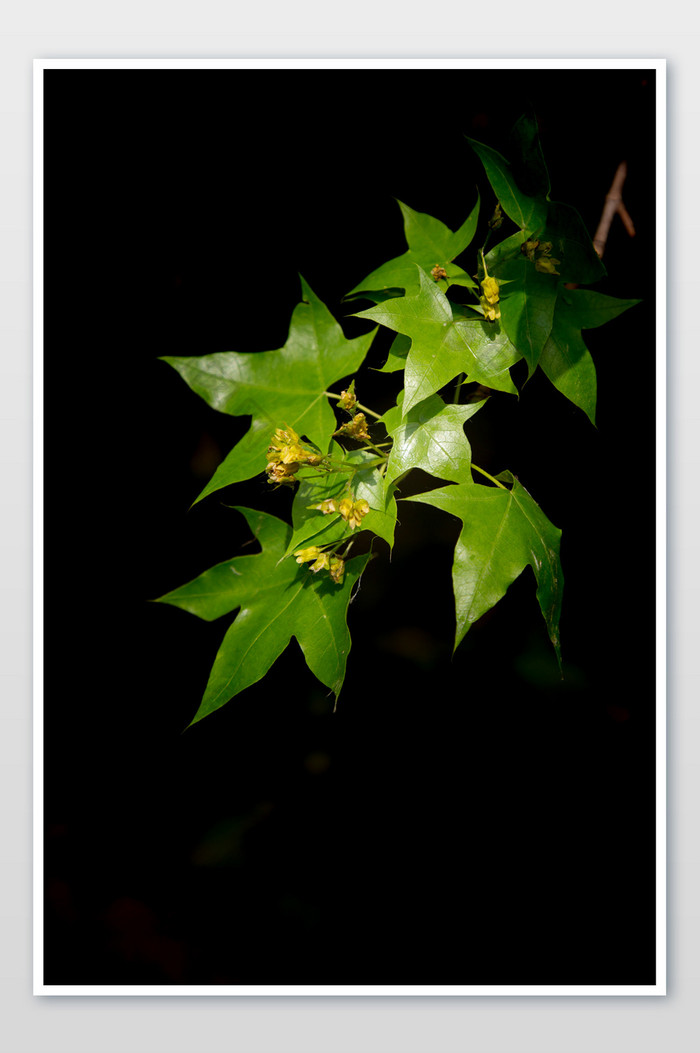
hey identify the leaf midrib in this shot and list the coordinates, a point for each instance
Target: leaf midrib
(422, 428)
(486, 566)
(267, 625)
(253, 384)
(541, 538)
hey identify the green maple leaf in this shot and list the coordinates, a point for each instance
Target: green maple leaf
(528, 211)
(531, 207)
(276, 388)
(503, 530)
(430, 437)
(572, 245)
(529, 164)
(443, 346)
(313, 526)
(398, 353)
(566, 360)
(505, 251)
(430, 244)
(527, 307)
(278, 600)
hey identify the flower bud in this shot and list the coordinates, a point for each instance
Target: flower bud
(491, 311)
(529, 247)
(278, 472)
(337, 569)
(345, 507)
(490, 289)
(356, 428)
(348, 398)
(353, 511)
(547, 265)
(327, 507)
(306, 555)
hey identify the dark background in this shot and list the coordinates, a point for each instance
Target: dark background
(473, 820)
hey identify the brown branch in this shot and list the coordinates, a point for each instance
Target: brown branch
(614, 205)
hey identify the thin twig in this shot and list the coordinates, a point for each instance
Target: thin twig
(614, 205)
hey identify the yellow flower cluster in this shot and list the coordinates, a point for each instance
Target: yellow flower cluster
(540, 252)
(489, 299)
(321, 560)
(348, 398)
(438, 272)
(285, 456)
(355, 428)
(351, 511)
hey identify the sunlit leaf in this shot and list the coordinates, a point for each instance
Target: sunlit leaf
(442, 347)
(430, 244)
(503, 531)
(278, 600)
(276, 388)
(430, 437)
(312, 525)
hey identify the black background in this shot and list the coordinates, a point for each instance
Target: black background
(473, 820)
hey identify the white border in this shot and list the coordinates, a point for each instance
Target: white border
(39, 988)
(37, 526)
(661, 536)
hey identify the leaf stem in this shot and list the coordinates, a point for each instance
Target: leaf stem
(346, 466)
(341, 466)
(371, 446)
(332, 395)
(376, 463)
(495, 481)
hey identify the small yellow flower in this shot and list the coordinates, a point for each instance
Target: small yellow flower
(353, 511)
(321, 560)
(540, 253)
(285, 456)
(306, 555)
(327, 507)
(490, 289)
(438, 272)
(337, 569)
(489, 295)
(278, 472)
(348, 398)
(322, 563)
(491, 311)
(345, 507)
(529, 247)
(282, 440)
(547, 265)
(356, 428)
